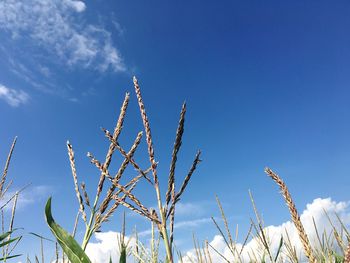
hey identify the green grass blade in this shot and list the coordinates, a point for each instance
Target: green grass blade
(279, 249)
(5, 235)
(8, 241)
(122, 258)
(39, 236)
(13, 256)
(71, 248)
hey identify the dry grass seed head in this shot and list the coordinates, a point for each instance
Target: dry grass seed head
(347, 255)
(130, 154)
(260, 229)
(119, 174)
(147, 129)
(86, 197)
(75, 179)
(294, 214)
(196, 161)
(177, 144)
(111, 148)
(7, 164)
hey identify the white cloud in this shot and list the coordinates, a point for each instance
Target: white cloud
(106, 246)
(78, 6)
(314, 210)
(53, 25)
(12, 96)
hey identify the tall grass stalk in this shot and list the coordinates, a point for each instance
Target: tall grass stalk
(294, 214)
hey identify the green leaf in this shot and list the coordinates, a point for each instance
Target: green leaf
(338, 258)
(122, 258)
(14, 256)
(279, 248)
(9, 241)
(72, 249)
(39, 236)
(5, 235)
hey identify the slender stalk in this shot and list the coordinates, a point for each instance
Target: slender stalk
(56, 252)
(154, 171)
(75, 224)
(3, 229)
(42, 250)
(90, 224)
(89, 229)
(12, 221)
(8, 160)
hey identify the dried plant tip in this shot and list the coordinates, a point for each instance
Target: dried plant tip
(94, 161)
(75, 179)
(118, 128)
(184, 185)
(188, 177)
(246, 239)
(129, 156)
(111, 149)
(83, 188)
(147, 129)
(177, 144)
(7, 187)
(294, 214)
(99, 166)
(224, 218)
(8, 160)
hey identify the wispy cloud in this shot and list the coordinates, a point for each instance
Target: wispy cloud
(28, 196)
(55, 26)
(78, 6)
(192, 223)
(13, 97)
(314, 211)
(189, 209)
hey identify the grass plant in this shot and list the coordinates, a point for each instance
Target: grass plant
(96, 213)
(8, 243)
(111, 193)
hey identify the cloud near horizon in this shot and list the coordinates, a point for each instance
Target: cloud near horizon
(315, 210)
(107, 242)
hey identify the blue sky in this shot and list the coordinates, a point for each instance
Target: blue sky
(266, 84)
